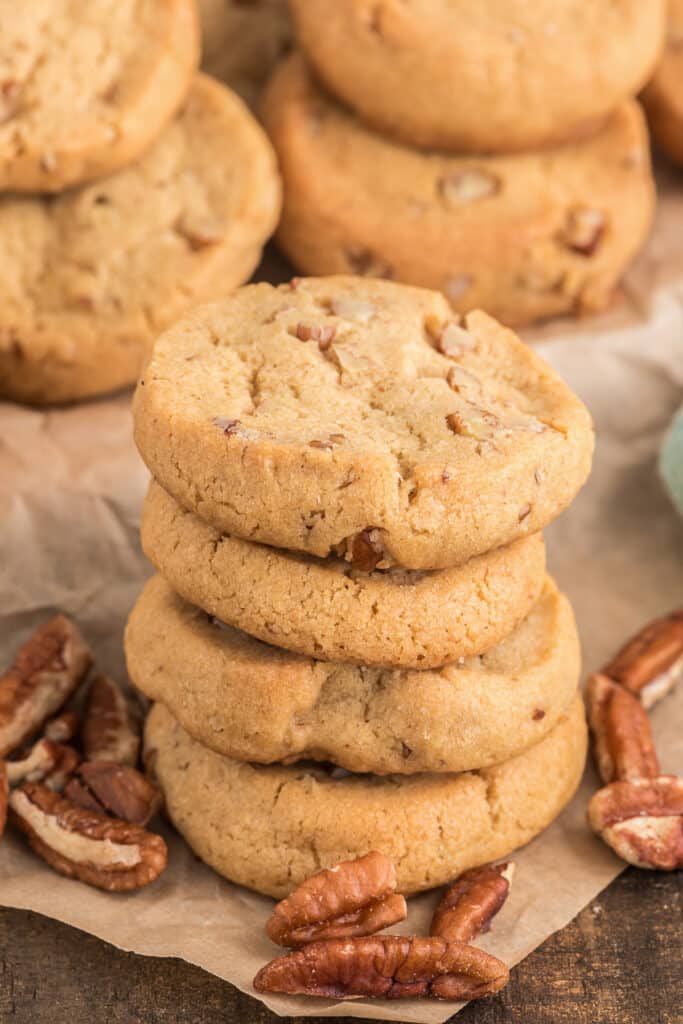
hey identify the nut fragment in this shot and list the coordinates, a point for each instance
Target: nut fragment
(234, 428)
(46, 671)
(354, 898)
(41, 759)
(109, 732)
(349, 308)
(366, 263)
(622, 737)
(68, 761)
(62, 728)
(366, 550)
(468, 186)
(651, 663)
(200, 231)
(106, 853)
(584, 230)
(642, 821)
(4, 795)
(322, 333)
(473, 421)
(471, 902)
(385, 966)
(114, 789)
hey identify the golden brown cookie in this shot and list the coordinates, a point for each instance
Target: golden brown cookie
(258, 703)
(663, 98)
(482, 75)
(523, 237)
(87, 85)
(326, 609)
(270, 828)
(91, 276)
(242, 42)
(359, 416)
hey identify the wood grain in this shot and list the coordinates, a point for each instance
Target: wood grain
(619, 962)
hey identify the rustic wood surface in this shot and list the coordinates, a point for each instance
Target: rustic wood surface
(619, 962)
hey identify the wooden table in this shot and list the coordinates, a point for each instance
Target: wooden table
(619, 962)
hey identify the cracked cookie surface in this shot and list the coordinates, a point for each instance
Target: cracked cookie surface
(91, 276)
(242, 42)
(481, 76)
(523, 237)
(358, 416)
(87, 85)
(663, 97)
(327, 609)
(269, 828)
(258, 703)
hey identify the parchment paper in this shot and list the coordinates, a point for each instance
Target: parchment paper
(70, 492)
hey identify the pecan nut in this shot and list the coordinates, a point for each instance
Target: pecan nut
(651, 663)
(642, 821)
(385, 966)
(469, 905)
(114, 789)
(46, 671)
(104, 852)
(622, 736)
(40, 760)
(4, 796)
(68, 761)
(109, 730)
(354, 898)
(62, 728)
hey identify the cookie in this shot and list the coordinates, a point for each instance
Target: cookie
(524, 237)
(242, 42)
(354, 415)
(258, 703)
(328, 610)
(477, 76)
(91, 276)
(87, 85)
(269, 828)
(663, 98)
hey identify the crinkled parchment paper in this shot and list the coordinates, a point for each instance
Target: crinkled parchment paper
(70, 492)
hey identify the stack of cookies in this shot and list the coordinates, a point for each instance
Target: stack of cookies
(352, 641)
(491, 149)
(135, 187)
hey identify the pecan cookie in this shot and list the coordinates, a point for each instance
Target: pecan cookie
(93, 275)
(288, 822)
(331, 611)
(360, 416)
(258, 703)
(87, 85)
(523, 237)
(481, 76)
(663, 98)
(242, 42)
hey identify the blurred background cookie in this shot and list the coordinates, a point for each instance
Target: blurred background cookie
(663, 98)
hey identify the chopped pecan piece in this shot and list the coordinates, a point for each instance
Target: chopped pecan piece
(46, 671)
(366, 263)
(622, 737)
(114, 789)
(366, 550)
(200, 231)
(63, 728)
(468, 186)
(349, 308)
(4, 795)
(109, 731)
(40, 760)
(354, 898)
(104, 852)
(469, 905)
(642, 821)
(322, 333)
(385, 966)
(584, 230)
(651, 663)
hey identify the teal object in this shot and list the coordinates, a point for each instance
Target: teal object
(671, 461)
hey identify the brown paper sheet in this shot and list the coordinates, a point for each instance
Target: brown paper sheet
(70, 492)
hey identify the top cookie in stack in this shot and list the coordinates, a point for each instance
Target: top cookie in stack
(137, 188)
(489, 149)
(346, 470)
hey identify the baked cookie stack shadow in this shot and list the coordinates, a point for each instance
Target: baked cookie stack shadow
(352, 642)
(491, 149)
(132, 187)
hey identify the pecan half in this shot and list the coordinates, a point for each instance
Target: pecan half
(46, 671)
(4, 795)
(385, 966)
(62, 728)
(651, 663)
(40, 760)
(114, 789)
(104, 852)
(623, 745)
(642, 821)
(469, 905)
(354, 898)
(109, 731)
